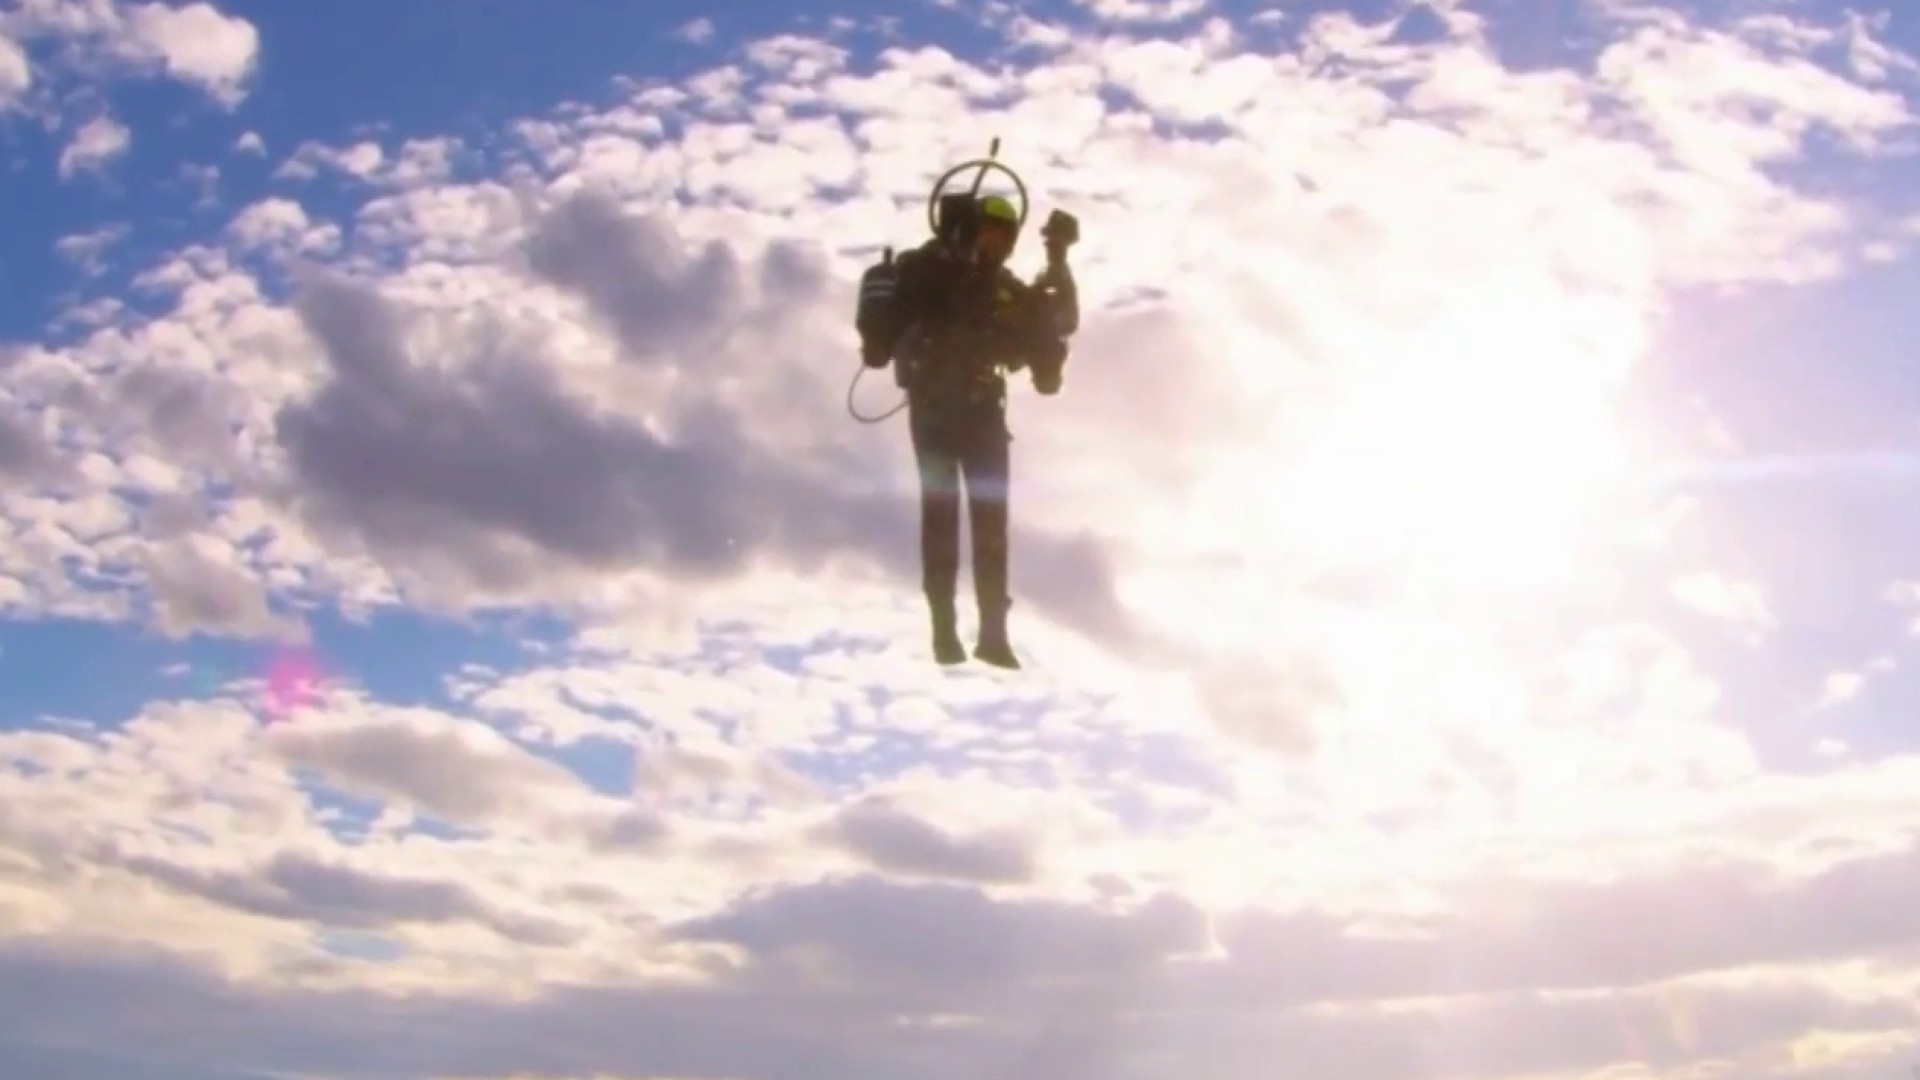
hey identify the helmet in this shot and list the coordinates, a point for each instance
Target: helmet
(1001, 209)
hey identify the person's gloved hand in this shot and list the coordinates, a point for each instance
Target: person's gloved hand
(1049, 368)
(1061, 232)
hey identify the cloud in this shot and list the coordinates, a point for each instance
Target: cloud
(282, 227)
(196, 43)
(937, 978)
(1740, 603)
(659, 300)
(299, 887)
(892, 839)
(24, 453)
(413, 460)
(96, 143)
(696, 31)
(16, 73)
(1840, 688)
(90, 248)
(1582, 935)
(193, 43)
(461, 775)
(1144, 11)
(942, 947)
(362, 160)
(197, 588)
(939, 975)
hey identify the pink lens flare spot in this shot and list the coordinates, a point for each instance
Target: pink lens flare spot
(293, 683)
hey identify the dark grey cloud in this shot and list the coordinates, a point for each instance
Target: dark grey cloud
(471, 465)
(894, 840)
(1524, 1034)
(664, 303)
(189, 415)
(434, 770)
(299, 887)
(183, 416)
(192, 593)
(633, 830)
(488, 466)
(47, 1062)
(886, 938)
(1573, 936)
(25, 454)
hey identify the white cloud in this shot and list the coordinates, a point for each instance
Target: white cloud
(1144, 11)
(193, 43)
(89, 249)
(94, 145)
(1739, 602)
(1840, 687)
(1843, 687)
(364, 160)
(1905, 595)
(198, 44)
(282, 226)
(695, 31)
(16, 74)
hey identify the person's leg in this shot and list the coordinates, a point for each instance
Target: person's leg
(988, 467)
(939, 471)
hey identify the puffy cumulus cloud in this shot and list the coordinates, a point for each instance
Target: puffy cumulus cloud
(16, 74)
(59, 57)
(194, 43)
(1744, 965)
(1741, 603)
(1361, 731)
(1144, 11)
(93, 145)
(893, 839)
(197, 44)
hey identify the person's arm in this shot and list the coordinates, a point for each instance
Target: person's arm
(1060, 233)
(1043, 316)
(1060, 296)
(1022, 332)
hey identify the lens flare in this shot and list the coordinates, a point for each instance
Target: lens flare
(293, 680)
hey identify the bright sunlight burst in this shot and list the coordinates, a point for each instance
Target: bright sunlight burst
(1474, 453)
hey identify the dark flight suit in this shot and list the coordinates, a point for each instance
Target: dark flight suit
(961, 326)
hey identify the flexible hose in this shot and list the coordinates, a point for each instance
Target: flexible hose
(859, 370)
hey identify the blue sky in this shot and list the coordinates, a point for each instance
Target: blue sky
(1506, 527)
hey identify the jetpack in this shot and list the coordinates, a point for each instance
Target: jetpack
(954, 218)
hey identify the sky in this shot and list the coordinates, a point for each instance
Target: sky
(450, 627)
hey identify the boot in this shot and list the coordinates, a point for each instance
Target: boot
(947, 649)
(992, 646)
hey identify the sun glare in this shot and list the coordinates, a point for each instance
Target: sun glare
(1476, 455)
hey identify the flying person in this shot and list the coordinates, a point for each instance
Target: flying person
(955, 321)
